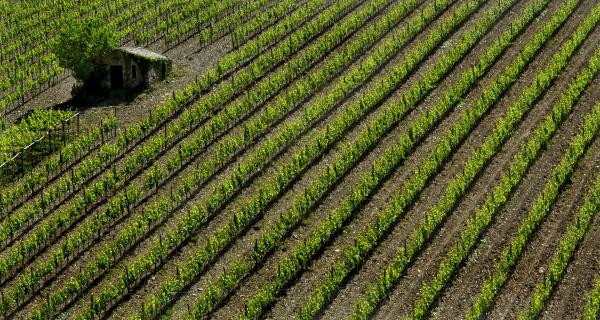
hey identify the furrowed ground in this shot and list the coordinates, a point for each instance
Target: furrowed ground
(334, 159)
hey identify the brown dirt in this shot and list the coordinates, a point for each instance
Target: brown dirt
(295, 296)
(145, 100)
(533, 265)
(188, 58)
(191, 63)
(569, 296)
(566, 301)
(344, 301)
(216, 222)
(331, 201)
(138, 251)
(192, 49)
(398, 235)
(467, 283)
(169, 269)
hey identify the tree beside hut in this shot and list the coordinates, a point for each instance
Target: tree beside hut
(89, 49)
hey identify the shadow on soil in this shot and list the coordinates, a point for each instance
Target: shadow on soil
(85, 98)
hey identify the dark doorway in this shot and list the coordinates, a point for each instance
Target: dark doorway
(116, 77)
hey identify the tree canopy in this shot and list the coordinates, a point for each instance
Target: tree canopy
(80, 43)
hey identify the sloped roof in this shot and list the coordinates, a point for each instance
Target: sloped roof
(143, 53)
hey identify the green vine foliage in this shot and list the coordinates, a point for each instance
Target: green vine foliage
(14, 138)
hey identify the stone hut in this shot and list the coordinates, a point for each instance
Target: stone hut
(130, 68)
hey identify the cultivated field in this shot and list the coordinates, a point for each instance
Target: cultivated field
(333, 159)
